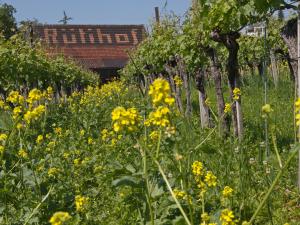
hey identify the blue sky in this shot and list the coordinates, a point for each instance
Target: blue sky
(94, 11)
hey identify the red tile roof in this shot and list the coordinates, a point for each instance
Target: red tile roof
(93, 46)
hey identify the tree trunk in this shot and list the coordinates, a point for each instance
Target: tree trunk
(186, 83)
(175, 89)
(287, 57)
(260, 69)
(204, 109)
(274, 68)
(289, 36)
(230, 42)
(216, 74)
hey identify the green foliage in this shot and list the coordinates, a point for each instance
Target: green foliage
(8, 26)
(24, 66)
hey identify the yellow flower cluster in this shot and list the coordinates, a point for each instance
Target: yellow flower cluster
(178, 81)
(34, 114)
(297, 111)
(17, 111)
(26, 109)
(266, 110)
(227, 217)
(179, 194)
(160, 117)
(81, 203)
(39, 139)
(3, 138)
(23, 154)
(205, 217)
(227, 108)
(227, 192)
(34, 96)
(52, 172)
(203, 179)
(210, 179)
(113, 88)
(197, 168)
(125, 119)
(236, 94)
(160, 92)
(59, 218)
(15, 98)
(1, 150)
(207, 102)
(96, 95)
(182, 195)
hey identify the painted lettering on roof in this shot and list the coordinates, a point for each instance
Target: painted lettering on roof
(62, 35)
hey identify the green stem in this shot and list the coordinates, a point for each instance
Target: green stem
(148, 196)
(211, 132)
(172, 193)
(38, 206)
(294, 153)
(276, 150)
(158, 145)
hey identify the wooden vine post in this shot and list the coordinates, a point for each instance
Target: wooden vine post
(298, 83)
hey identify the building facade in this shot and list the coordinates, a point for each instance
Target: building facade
(100, 48)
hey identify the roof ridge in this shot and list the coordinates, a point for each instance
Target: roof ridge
(62, 25)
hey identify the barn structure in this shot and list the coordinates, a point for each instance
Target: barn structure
(100, 48)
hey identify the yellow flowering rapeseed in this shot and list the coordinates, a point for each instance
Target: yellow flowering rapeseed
(48, 94)
(15, 98)
(39, 139)
(95, 95)
(76, 162)
(90, 141)
(34, 114)
(227, 192)
(3, 137)
(66, 155)
(17, 111)
(197, 168)
(210, 179)
(227, 108)
(81, 203)
(34, 96)
(154, 135)
(59, 218)
(82, 133)
(125, 119)
(179, 194)
(23, 154)
(236, 94)
(182, 195)
(58, 131)
(52, 172)
(1, 150)
(178, 81)
(297, 111)
(159, 117)
(205, 217)
(227, 217)
(2, 104)
(104, 134)
(266, 110)
(207, 102)
(19, 126)
(160, 92)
